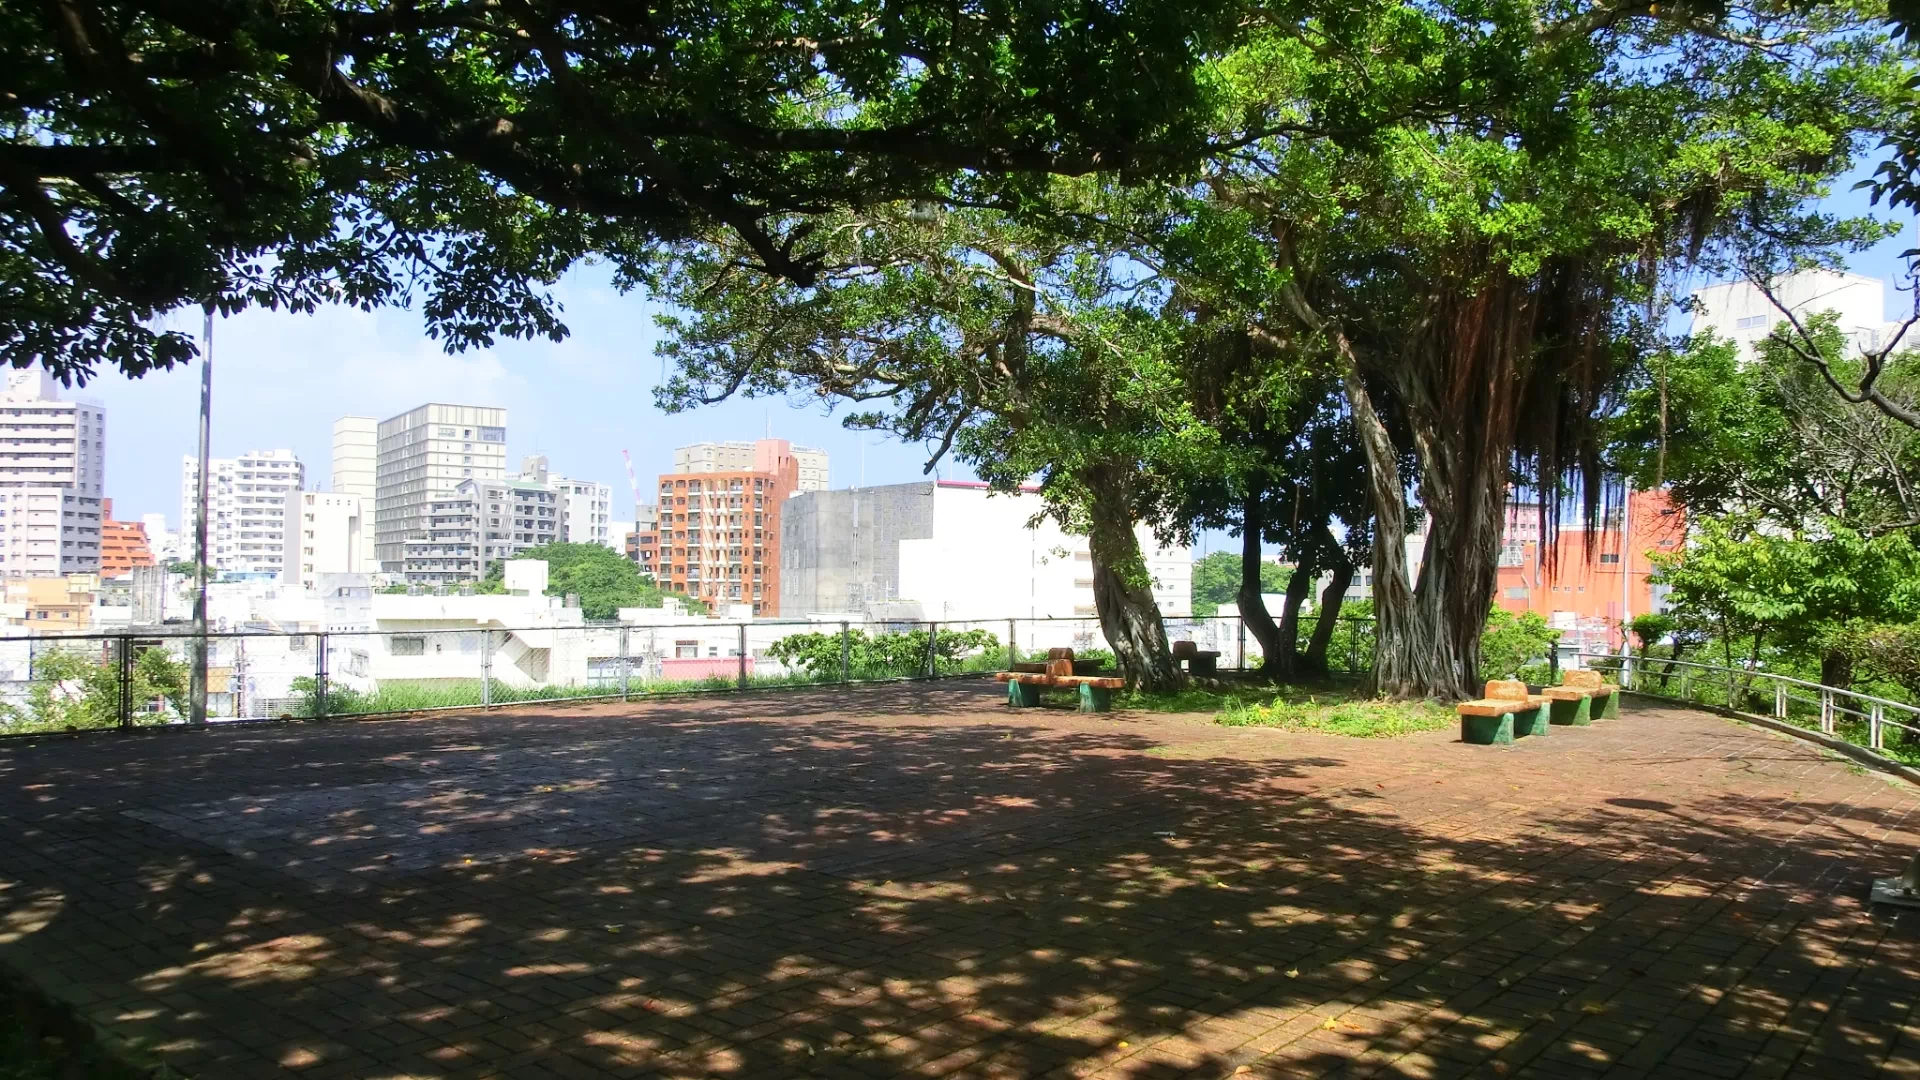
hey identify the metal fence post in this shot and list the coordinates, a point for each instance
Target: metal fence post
(933, 635)
(320, 677)
(1875, 718)
(1553, 663)
(1730, 703)
(486, 669)
(1353, 646)
(626, 660)
(1826, 710)
(1780, 701)
(125, 647)
(1013, 649)
(1686, 684)
(743, 656)
(846, 651)
(1241, 634)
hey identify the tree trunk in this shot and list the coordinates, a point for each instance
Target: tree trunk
(1284, 661)
(1122, 588)
(1253, 606)
(1331, 598)
(1836, 670)
(1415, 655)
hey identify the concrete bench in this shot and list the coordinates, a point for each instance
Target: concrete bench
(1582, 697)
(1506, 713)
(1024, 686)
(1198, 661)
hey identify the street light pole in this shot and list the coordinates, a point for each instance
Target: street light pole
(199, 686)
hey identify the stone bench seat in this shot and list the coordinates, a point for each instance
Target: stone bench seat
(1024, 685)
(1574, 699)
(1506, 713)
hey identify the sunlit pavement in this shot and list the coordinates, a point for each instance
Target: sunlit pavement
(914, 881)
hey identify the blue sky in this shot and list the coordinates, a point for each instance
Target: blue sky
(280, 380)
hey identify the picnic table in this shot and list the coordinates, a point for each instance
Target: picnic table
(1024, 684)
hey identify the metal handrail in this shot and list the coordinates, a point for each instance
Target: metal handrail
(1832, 700)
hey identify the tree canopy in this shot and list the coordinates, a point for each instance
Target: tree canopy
(1216, 580)
(603, 579)
(235, 153)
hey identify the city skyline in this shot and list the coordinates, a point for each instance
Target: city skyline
(283, 379)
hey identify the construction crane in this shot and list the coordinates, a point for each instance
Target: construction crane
(633, 482)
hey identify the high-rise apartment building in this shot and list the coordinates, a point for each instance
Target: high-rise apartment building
(324, 536)
(356, 468)
(718, 536)
(424, 455)
(586, 508)
(482, 522)
(761, 455)
(246, 506)
(52, 468)
(123, 544)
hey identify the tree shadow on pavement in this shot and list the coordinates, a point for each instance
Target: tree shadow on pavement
(927, 887)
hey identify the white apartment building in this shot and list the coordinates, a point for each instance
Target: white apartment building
(754, 456)
(1739, 312)
(52, 475)
(586, 512)
(162, 541)
(324, 536)
(949, 550)
(586, 508)
(356, 467)
(247, 509)
(424, 455)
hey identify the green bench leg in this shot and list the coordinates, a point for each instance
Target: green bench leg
(1611, 709)
(1487, 730)
(1023, 695)
(1578, 713)
(1095, 698)
(1530, 722)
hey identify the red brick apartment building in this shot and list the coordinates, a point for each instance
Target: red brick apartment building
(718, 536)
(123, 544)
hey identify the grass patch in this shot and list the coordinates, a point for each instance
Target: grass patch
(1338, 713)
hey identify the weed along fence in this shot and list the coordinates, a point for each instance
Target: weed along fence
(1890, 729)
(78, 681)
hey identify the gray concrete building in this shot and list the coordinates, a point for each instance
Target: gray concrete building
(840, 549)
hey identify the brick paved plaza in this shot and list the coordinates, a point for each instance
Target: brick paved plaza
(913, 881)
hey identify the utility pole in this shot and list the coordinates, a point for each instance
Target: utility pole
(199, 684)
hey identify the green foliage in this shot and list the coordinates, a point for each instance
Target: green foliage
(1768, 440)
(603, 579)
(1100, 659)
(1216, 581)
(886, 656)
(1337, 714)
(290, 155)
(80, 688)
(1510, 643)
(1752, 588)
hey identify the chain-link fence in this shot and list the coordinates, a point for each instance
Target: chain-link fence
(56, 683)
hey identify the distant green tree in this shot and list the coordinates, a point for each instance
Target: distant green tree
(1216, 581)
(603, 579)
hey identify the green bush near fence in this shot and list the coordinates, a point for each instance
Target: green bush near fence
(74, 688)
(887, 656)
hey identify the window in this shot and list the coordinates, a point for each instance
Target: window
(1751, 322)
(407, 645)
(1612, 558)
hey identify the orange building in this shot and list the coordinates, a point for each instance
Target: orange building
(123, 544)
(718, 537)
(1588, 597)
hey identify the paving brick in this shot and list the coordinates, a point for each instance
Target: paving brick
(914, 881)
